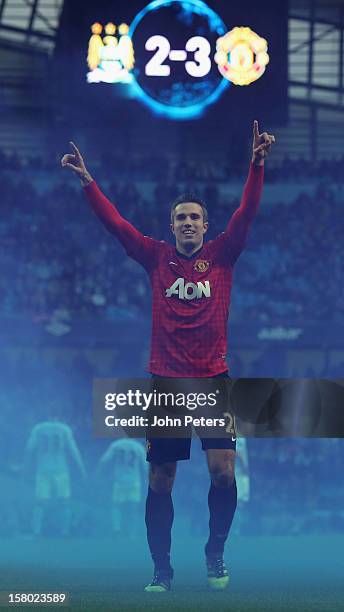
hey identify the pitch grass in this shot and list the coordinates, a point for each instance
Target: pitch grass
(273, 574)
(196, 602)
(246, 594)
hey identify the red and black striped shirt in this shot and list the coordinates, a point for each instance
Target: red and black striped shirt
(191, 295)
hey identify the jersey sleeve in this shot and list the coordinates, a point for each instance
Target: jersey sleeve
(141, 248)
(232, 241)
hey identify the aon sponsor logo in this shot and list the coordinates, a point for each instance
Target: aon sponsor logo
(188, 291)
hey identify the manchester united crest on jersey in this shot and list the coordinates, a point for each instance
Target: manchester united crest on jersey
(201, 265)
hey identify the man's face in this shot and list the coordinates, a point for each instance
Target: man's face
(188, 225)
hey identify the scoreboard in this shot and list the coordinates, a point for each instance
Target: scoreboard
(178, 56)
(180, 59)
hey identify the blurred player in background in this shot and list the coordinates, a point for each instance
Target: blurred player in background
(191, 284)
(129, 469)
(50, 447)
(242, 477)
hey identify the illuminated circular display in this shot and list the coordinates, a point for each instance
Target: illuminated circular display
(175, 43)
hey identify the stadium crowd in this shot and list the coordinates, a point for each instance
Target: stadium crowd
(162, 167)
(57, 257)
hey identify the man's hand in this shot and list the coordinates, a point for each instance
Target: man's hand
(76, 163)
(261, 145)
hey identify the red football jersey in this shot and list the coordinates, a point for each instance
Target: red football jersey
(191, 295)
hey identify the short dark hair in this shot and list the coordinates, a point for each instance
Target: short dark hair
(190, 197)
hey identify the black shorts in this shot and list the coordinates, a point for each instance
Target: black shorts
(164, 448)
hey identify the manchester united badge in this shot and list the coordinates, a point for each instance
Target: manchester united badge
(201, 265)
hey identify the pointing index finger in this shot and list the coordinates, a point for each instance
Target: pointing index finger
(75, 148)
(255, 128)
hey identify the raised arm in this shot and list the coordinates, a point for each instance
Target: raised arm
(75, 453)
(238, 227)
(106, 456)
(137, 245)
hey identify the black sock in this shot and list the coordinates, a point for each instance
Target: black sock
(159, 519)
(222, 503)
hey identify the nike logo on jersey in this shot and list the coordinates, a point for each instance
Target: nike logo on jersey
(189, 291)
(173, 263)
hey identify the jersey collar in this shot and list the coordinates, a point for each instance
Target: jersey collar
(193, 254)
